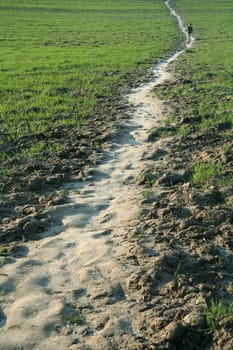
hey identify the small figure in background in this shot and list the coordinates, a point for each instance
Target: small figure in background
(189, 30)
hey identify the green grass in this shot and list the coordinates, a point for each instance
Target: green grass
(176, 272)
(75, 318)
(210, 173)
(203, 92)
(60, 60)
(214, 312)
(204, 173)
(207, 67)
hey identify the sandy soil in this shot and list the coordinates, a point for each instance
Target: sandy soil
(90, 282)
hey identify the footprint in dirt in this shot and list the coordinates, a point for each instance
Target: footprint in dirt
(2, 318)
(106, 218)
(7, 287)
(102, 234)
(26, 266)
(78, 293)
(118, 293)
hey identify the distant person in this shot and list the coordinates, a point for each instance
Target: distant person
(189, 30)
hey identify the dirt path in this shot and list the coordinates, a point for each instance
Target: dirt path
(70, 290)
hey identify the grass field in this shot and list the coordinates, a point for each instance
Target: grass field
(60, 58)
(205, 91)
(209, 63)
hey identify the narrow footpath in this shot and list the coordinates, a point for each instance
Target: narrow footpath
(71, 288)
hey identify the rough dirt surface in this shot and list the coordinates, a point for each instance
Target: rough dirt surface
(126, 255)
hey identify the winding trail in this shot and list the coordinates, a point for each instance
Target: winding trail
(45, 292)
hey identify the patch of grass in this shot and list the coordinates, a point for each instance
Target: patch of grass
(183, 130)
(3, 249)
(6, 172)
(203, 92)
(206, 68)
(76, 318)
(214, 312)
(35, 150)
(204, 173)
(229, 288)
(225, 180)
(61, 60)
(176, 272)
(210, 173)
(148, 193)
(149, 183)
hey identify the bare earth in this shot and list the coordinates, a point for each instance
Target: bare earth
(123, 267)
